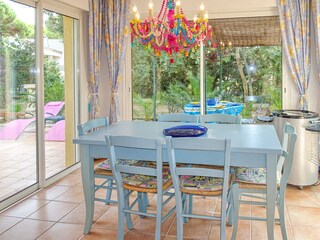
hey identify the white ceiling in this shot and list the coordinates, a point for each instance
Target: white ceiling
(218, 8)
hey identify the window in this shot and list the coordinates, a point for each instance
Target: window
(242, 63)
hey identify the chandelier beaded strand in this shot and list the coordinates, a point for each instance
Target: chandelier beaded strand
(170, 31)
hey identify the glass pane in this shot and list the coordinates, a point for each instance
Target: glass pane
(250, 76)
(18, 165)
(59, 75)
(163, 84)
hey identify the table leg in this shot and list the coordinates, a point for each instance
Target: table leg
(87, 164)
(271, 192)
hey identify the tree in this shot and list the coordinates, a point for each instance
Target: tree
(53, 25)
(10, 26)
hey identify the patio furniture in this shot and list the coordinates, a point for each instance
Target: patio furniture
(251, 182)
(177, 117)
(252, 146)
(201, 181)
(56, 132)
(149, 177)
(220, 118)
(222, 107)
(12, 130)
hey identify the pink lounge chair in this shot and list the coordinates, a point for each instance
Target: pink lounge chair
(56, 132)
(13, 129)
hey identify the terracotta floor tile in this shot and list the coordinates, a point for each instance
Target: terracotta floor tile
(306, 232)
(25, 208)
(304, 197)
(27, 229)
(306, 216)
(63, 231)
(7, 222)
(138, 235)
(148, 224)
(50, 193)
(74, 194)
(100, 234)
(53, 211)
(192, 229)
(77, 215)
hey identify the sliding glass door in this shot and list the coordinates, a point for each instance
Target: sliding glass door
(60, 49)
(18, 165)
(37, 100)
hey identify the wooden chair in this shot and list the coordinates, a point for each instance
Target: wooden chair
(198, 180)
(252, 181)
(103, 169)
(220, 118)
(178, 117)
(149, 177)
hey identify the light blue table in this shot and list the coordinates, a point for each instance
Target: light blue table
(251, 146)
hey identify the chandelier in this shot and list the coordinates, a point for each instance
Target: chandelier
(170, 31)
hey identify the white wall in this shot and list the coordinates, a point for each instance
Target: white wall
(81, 4)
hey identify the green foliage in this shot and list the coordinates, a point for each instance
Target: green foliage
(53, 25)
(53, 82)
(143, 107)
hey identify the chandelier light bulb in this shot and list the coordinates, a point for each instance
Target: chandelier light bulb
(206, 15)
(195, 18)
(137, 16)
(150, 5)
(201, 7)
(134, 9)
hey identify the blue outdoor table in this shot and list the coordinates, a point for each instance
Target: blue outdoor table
(251, 146)
(224, 107)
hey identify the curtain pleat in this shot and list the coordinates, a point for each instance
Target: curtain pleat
(95, 45)
(115, 35)
(295, 29)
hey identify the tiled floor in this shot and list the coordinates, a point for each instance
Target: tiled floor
(18, 161)
(58, 213)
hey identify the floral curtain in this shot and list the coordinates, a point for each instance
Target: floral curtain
(316, 20)
(295, 30)
(95, 42)
(115, 35)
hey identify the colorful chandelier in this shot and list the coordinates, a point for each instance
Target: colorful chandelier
(170, 31)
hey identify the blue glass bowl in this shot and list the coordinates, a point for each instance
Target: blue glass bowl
(185, 131)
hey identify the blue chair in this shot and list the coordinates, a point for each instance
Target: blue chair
(251, 182)
(149, 177)
(199, 180)
(103, 169)
(220, 118)
(178, 117)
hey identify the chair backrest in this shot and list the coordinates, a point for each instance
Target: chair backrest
(149, 150)
(53, 108)
(195, 151)
(220, 118)
(178, 117)
(92, 125)
(286, 158)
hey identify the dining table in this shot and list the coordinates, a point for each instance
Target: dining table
(256, 146)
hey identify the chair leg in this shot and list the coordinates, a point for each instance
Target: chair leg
(185, 206)
(235, 198)
(190, 203)
(141, 203)
(179, 209)
(230, 208)
(224, 200)
(281, 208)
(159, 215)
(109, 191)
(126, 206)
(121, 215)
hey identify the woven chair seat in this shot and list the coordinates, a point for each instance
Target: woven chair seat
(104, 168)
(208, 186)
(252, 177)
(145, 183)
